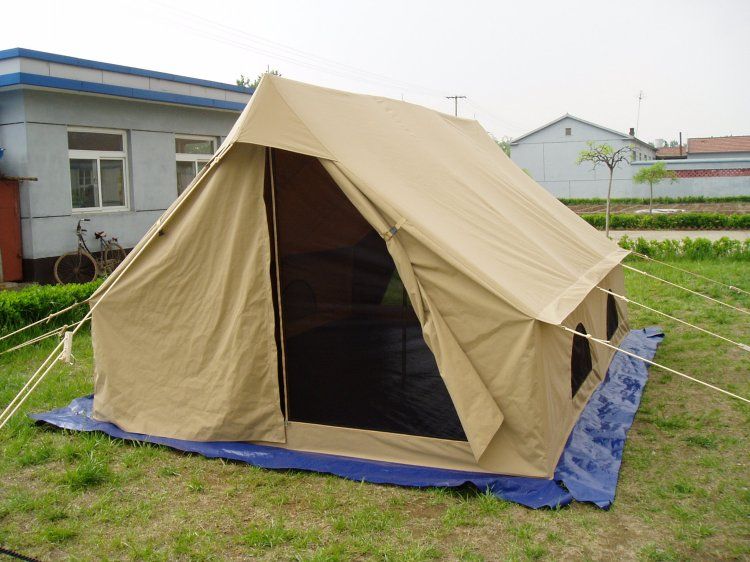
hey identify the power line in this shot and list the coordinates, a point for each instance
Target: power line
(497, 119)
(239, 38)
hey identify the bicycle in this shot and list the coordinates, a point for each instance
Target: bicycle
(80, 266)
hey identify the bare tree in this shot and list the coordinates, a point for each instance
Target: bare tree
(604, 154)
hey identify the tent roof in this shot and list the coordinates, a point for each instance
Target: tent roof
(445, 181)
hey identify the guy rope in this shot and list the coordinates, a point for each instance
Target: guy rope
(702, 295)
(623, 298)
(63, 350)
(669, 369)
(688, 272)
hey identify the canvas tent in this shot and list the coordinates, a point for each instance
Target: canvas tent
(364, 277)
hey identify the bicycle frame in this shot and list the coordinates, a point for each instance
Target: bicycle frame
(79, 233)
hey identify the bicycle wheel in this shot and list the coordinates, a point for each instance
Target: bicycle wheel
(113, 256)
(75, 267)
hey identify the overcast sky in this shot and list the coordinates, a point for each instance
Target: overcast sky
(521, 63)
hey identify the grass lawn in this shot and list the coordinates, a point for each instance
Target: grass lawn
(684, 488)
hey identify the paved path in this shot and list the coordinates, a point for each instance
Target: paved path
(680, 234)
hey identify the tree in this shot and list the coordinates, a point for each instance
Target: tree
(673, 143)
(651, 175)
(503, 143)
(247, 83)
(606, 155)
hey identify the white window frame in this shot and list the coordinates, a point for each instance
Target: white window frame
(194, 158)
(100, 155)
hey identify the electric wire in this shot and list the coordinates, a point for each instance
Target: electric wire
(252, 42)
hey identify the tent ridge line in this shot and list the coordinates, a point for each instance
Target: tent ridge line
(297, 115)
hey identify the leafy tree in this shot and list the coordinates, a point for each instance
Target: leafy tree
(247, 83)
(503, 143)
(604, 154)
(651, 175)
(673, 143)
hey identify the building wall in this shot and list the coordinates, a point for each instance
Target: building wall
(708, 177)
(33, 130)
(703, 155)
(550, 158)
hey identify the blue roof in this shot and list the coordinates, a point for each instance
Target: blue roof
(85, 63)
(23, 78)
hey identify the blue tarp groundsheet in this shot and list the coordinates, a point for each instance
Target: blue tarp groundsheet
(587, 471)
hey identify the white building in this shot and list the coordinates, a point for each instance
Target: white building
(549, 155)
(111, 143)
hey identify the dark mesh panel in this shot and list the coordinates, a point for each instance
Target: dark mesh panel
(613, 320)
(355, 354)
(580, 360)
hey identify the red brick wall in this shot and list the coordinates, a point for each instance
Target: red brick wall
(728, 172)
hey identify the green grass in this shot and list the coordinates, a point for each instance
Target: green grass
(684, 490)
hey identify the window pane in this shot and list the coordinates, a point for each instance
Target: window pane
(185, 174)
(113, 183)
(94, 141)
(84, 184)
(193, 146)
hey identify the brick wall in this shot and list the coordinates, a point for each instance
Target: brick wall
(712, 173)
(707, 177)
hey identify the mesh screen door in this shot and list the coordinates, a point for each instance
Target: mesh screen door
(355, 354)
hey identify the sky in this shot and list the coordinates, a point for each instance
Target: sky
(521, 64)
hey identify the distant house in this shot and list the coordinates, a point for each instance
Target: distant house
(671, 152)
(719, 147)
(107, 142)
(707, 166)
(549, 154)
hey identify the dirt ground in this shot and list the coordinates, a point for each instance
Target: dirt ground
(737, 207)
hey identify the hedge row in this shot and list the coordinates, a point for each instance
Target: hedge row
(677, 221)
(19, 308)
(689, 248)
(660, 200)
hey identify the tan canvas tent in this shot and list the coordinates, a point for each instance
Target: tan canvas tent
(364, 277)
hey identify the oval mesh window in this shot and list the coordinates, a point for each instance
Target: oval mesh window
(613, 320)
(580, 360)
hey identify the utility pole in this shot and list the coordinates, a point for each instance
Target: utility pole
(455, 102)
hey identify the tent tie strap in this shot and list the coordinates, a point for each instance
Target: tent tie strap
(623, 298)
(67, 351)
(56, 355)
(391, 232)
(648, 361)
(56, 332)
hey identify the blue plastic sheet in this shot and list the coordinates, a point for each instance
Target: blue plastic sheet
(587, 471)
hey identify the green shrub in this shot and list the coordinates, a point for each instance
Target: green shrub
(677, 221)
(689, 248)
(22, 307)
(663, 200)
